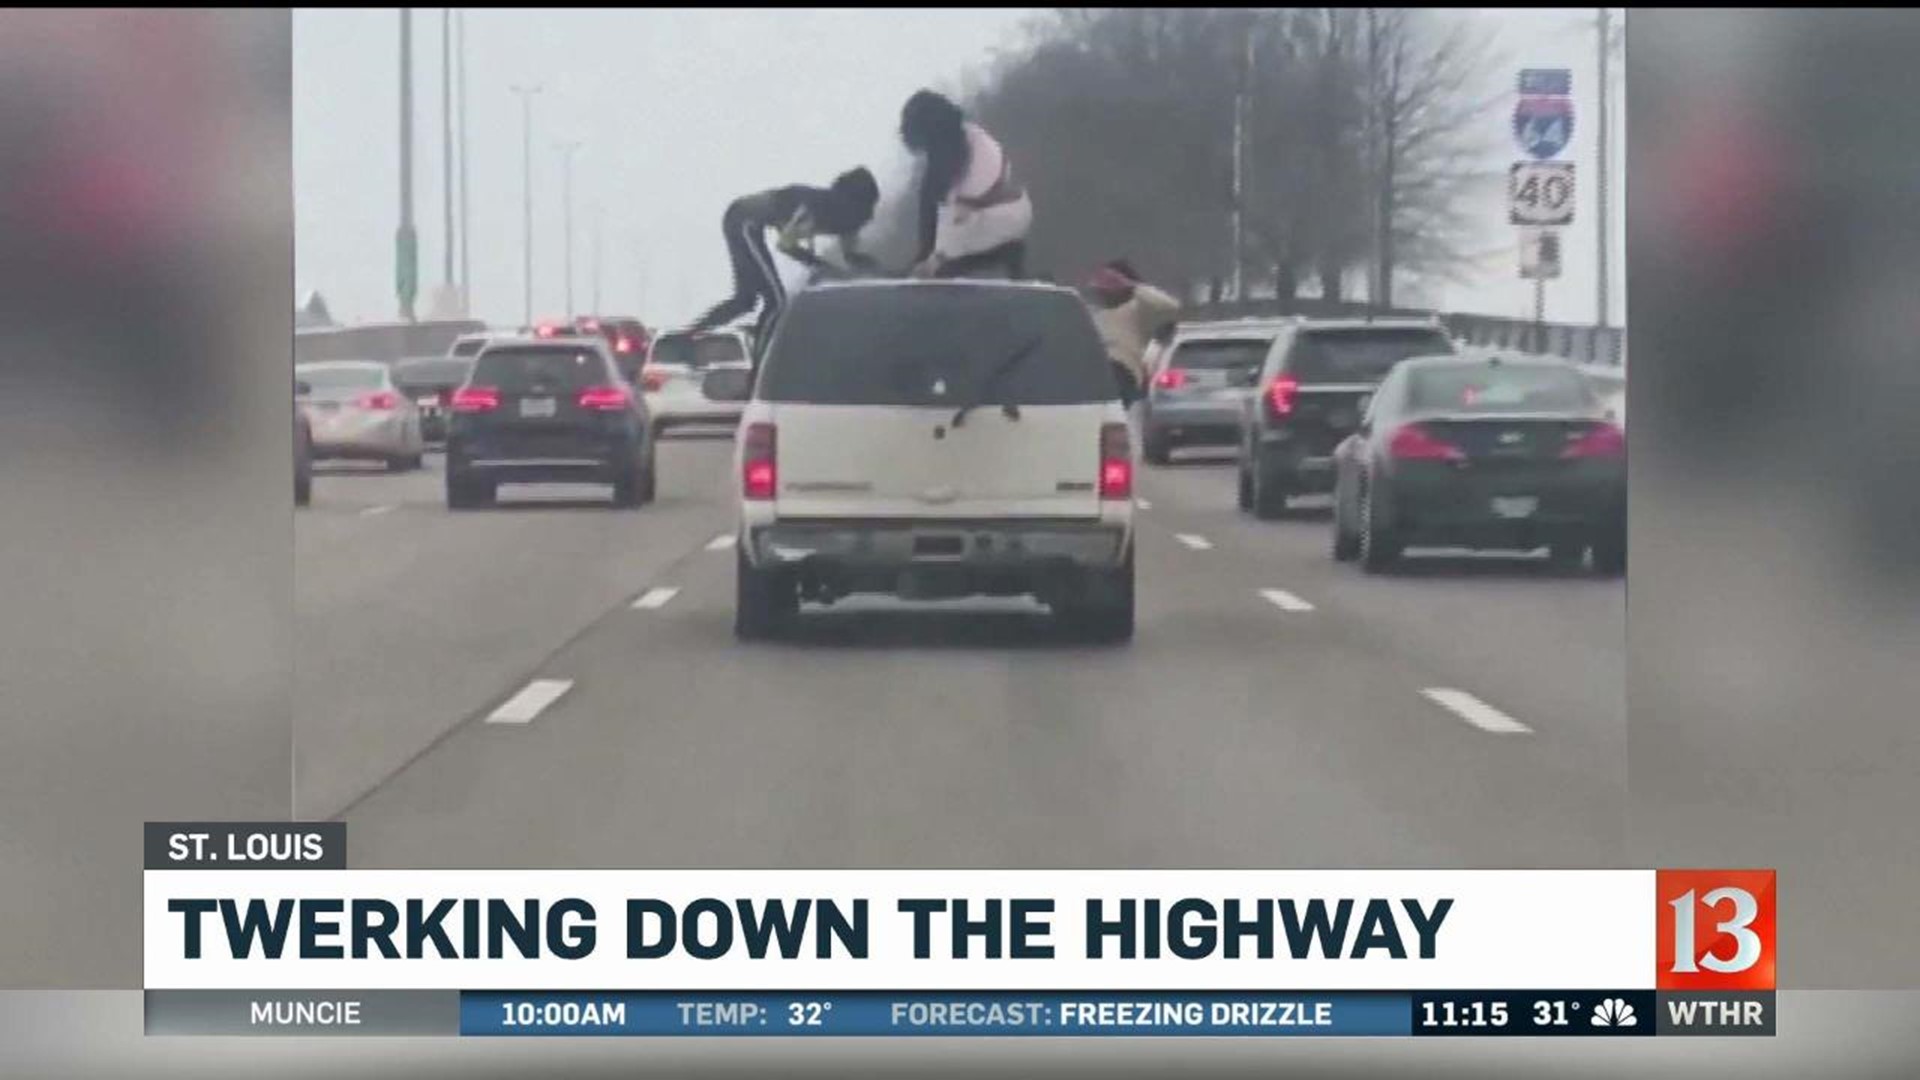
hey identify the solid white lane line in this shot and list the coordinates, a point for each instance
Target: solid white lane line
(720, 543)
(1142, 504)
(1475, 712)
(1285, 600)
(530, 702)
(1197, 543)
(375, 511)
(655, 598)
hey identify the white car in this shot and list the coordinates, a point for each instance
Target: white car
(935, 440)
(358, 412)
(679, 378)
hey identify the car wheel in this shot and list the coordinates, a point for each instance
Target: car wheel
(1104, 613)
(1246, 488)
(1269, 494)
(1610, 554)
(303, 491)
(1567, 554)
(1157, 450)
(403, 463)
(763, 600)
(1379, 547)
(627, 493)
(650, 477)
(468, 493)
(1346, 544)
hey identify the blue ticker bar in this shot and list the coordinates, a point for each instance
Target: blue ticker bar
(942, 1014)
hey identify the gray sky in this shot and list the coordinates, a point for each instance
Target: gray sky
(681, 110)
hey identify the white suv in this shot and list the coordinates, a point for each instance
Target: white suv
(936, 440)
(679, 377)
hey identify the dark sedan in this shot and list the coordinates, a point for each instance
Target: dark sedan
(1485, 451)
(430, 382)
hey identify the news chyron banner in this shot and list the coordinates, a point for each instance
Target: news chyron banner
(263, 930)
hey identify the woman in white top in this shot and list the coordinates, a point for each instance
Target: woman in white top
(972, 212)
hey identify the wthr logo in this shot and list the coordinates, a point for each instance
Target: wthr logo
(1715, 930)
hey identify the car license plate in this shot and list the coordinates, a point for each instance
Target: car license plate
(537, 406)
(1515, 506)
(428, 402)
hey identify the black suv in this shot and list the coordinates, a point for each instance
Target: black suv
(548, 411)
(1308, 400)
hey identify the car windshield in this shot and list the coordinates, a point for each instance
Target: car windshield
(937, 346)
(343, 380)
(1498, 388)
(1361, 355)
(521, 369)
(469, 347)
(699, 352)
(1225, 354)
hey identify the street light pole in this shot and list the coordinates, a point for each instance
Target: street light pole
(1600, 219)
(526, 184)
(567, 150)
(466, 233)
(597, 231)
(404, 250)
(446, 142)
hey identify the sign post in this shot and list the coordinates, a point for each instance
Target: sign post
(1540, 191)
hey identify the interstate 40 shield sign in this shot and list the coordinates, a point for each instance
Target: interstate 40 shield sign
(1543, 126)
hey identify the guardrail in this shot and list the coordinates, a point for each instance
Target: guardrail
(1592, 345)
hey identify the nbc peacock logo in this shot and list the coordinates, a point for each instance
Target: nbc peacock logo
(1614, 1012)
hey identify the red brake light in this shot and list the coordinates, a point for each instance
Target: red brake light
(1280, 394)
(623, 345)
(1599, 441)
(1416, 443)
(1172, 378)
(378, 401)
(759, 462)
(653, 379)
(472, 399)
(606, 398)
(546, 330)
(1116, 462)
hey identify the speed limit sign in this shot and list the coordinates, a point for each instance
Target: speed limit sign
(1540, 193)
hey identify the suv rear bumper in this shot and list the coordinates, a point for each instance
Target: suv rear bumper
(992, 545)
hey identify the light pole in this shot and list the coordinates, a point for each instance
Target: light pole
(1600, 219)
(405, 249)
(446, 142)
(466, 234)
(526, 184)
(567, 150)
(597, 231)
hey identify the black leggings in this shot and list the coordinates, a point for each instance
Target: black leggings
(756, 280)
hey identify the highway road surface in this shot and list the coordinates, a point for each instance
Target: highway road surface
(554, 683)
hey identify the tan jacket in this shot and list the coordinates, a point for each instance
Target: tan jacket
(1128, 328)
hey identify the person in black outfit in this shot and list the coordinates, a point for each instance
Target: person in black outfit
(800, 213)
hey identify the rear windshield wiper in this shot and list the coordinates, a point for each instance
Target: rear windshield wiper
(1014, 359)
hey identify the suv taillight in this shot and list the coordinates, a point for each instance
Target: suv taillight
(1600, 441)
(378, 401)
(1171, 379)
(759, 462)
(1416, 443)
(1116, 462)
(472, 399)
(605, 398)
(652, 378)
(1280, 394)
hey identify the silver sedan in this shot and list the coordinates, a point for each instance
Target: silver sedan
(358, 413)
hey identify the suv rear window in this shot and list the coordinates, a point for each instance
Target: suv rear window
(1489, 388)
(1223, 354)
(521, 368)
(1360, 356)
(328, 381)
(937, 345)
(698, 352)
